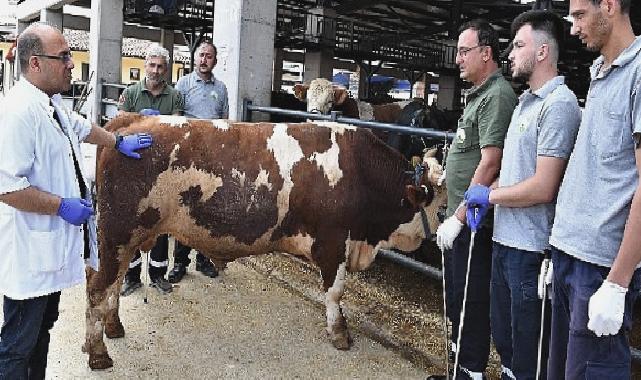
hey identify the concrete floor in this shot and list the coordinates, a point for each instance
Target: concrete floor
(242, 325)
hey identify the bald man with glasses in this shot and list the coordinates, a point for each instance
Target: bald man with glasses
(46, 211)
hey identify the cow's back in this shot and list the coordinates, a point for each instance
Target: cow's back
(241, 188)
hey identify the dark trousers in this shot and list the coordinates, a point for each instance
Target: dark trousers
(475, 341)
(575, 351)
(158, 261)
(516, 310)
(24, 339)
(181, 255)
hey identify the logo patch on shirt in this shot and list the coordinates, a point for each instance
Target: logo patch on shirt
(214, 95)
(460, 135)
(522, 126)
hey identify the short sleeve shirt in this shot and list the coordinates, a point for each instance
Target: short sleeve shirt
(484, 123)
(601, 178)
(545, 123)
(136, 98)
(204, 99)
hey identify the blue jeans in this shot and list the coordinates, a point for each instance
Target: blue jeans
(575, 352)
(24, 339)
(516, 310)
(475, 341)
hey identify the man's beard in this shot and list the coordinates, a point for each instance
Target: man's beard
(155, 80)
(524, 72)
(601, 29)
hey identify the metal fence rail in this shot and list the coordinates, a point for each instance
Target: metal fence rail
(335, 116)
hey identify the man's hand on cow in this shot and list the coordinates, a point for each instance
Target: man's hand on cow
(447, 232)
(75, 210)
(128, 145)
(605, 309)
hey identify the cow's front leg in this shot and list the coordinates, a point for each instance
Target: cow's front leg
(336, 324)
(94, 344)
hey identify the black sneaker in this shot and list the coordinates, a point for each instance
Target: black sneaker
(207, 268)
(129, 287)
(163, 286)
(177, 273)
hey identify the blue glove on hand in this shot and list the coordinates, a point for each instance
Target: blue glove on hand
(149, 112)
(128, 145)
(478, 195)
(75, 210)
(475, 215)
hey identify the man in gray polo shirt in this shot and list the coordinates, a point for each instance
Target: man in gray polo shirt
(596, 236)
(538, 143)
(205, 98)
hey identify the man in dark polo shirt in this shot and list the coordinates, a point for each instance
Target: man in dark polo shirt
(474, 158)
(151, 93)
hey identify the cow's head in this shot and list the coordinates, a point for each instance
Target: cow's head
(321, 95)
(427, 192)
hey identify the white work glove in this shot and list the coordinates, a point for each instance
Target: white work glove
(605, 309)
(545, 277)
(447, 232)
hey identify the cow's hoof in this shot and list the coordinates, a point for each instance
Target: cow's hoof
(341, 341)
(115, 330)
(100, 361)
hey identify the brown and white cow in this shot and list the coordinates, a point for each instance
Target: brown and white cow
(322, 96)
(328, 192)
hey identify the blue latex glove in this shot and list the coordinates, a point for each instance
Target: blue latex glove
(149, 112)
(128, 145)
(478, 195)
(75, 210)
(475, 215)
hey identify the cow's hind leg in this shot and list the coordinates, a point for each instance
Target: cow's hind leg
(336, 324)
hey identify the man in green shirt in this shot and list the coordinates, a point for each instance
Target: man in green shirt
(474, 158)
(152, 93)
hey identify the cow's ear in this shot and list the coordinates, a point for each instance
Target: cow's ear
(340, 96)
(300, 91)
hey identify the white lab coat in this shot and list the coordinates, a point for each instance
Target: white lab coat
(39, 254)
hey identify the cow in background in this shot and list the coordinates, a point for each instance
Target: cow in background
(417, 114)
(328, 192)
(322, 97)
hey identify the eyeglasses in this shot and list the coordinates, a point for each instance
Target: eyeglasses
(65, 57)
(462, 51)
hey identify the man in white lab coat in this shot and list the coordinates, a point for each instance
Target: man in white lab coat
(46, 213)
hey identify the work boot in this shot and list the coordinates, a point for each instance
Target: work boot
(177, 273)
(163, 286)
(207, 268)
(130, 286)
